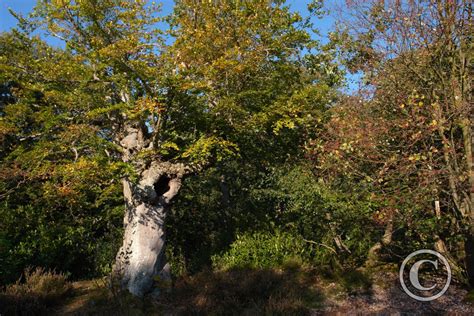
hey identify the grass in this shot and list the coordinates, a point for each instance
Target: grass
(245, 292)
(34, 293)
(290, 290)
(470, 297)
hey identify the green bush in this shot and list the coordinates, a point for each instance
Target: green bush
(320, 212)
(77, 233)
(263, 250)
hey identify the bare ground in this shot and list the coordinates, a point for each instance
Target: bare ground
(388, 298)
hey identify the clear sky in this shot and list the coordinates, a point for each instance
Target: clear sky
(7, 21)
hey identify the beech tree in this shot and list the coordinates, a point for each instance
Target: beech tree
(241, 80)
(59, 190)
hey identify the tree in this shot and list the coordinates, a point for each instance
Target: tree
(235, 83)
(412, 135)
(60, 192)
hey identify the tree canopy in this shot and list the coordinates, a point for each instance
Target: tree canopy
(226, 129)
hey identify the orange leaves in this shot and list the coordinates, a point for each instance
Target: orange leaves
(384, 215)
(149, 105)
(64, 190)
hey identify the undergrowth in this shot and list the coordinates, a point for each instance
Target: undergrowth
(34, 292)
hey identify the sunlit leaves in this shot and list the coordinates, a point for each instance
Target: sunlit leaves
(207, 148)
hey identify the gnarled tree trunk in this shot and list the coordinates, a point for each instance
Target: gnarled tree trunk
(374, 251)
(141, 259)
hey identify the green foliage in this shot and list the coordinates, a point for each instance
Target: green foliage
(262, 250)
(322, 213)
(206, 148)
(73, 244)
(60, 188)
(242, 93)
(291, 199)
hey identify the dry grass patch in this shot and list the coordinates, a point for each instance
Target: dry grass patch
(36, 291)
(244, 292)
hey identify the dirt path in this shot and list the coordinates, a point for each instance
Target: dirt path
(386, 297)
(82, 299)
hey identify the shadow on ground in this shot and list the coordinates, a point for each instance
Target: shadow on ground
(289, 291)
(292, 290)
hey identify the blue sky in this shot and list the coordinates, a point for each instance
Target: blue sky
(6, 20)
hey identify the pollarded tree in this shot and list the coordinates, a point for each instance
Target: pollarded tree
(235, 82)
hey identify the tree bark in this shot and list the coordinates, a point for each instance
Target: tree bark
(374, 251)
(469, 200)
(141, 260)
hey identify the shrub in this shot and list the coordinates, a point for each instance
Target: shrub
(65, 228)
(262, 250)
(39, 290)
(323, 212)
